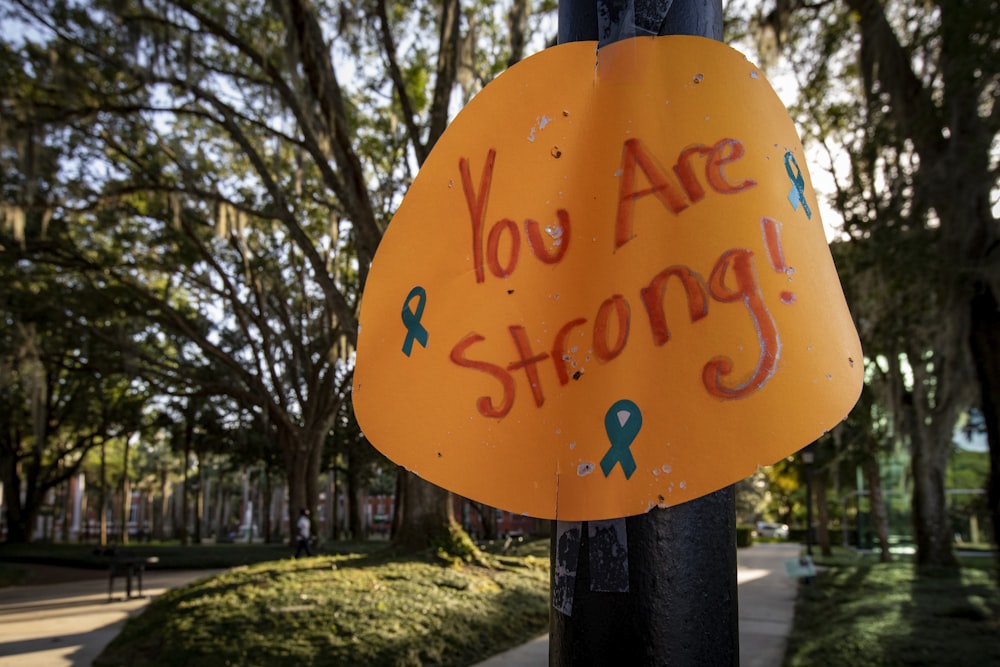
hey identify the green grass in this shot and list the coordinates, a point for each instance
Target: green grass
(172, 556)
(12, 574)
(356, 610)
(861, 613)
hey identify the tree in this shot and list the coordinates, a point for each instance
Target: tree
(63, 393)
(907, 90)
(196, 427)
(171, 237)
(238, 184)
(349, 453)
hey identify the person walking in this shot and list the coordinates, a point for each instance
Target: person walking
(302, 533)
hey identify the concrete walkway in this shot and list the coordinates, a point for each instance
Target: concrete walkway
(69, 622)
(766, 601)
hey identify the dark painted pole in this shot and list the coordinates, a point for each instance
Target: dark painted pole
(807, 462)
(659, 588)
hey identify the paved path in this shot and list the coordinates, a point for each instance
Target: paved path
(767, 603)
(69, 622)
(767, 607)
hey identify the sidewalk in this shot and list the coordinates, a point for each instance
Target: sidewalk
(68, 623)
(767, 602)
(767, 607)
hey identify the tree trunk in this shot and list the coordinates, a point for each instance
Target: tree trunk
(126, 496)
(331, 504)
(20, 523)
(360, 526)
(266, 513)
(206, 491)
(313, 466)
(188, 434)
(199, 499)
(822, 513)
(429, 519)
(18, 531)
(931, 525)
(302, 452)
(102, 498)
(67, 511)
(487, 517)
(354, 507)
(952, 140)
(399, 498)
(985, 343)
(297, 471)
(221, 519)
(160, 518)
(879, 517)
(927, 413)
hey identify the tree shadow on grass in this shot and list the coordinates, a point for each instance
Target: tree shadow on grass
(831, 616)
(953, 618)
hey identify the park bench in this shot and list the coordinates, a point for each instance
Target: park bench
(124, 563)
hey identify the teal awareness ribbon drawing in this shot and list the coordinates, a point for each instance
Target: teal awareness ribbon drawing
(415, 331)
(622, 423)
(797, 195)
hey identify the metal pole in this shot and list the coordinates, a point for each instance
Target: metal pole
(809, 511)
(659, 588)
(807, 462)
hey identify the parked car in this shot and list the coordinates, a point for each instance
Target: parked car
(776, 530)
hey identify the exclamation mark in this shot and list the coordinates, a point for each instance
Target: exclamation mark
(771, 230)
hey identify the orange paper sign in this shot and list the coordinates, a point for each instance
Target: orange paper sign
(608, 289)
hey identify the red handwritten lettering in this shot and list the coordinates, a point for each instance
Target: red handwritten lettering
(476, 203)
(529, 362)
(531, 228)
(620, 307)
(733, 278)
(633, 154)
(477, 206)
(713, 170)
(485, 404)
(654, 294)
(685, 172)
(724, 152)
(493, 248)
(740, 262)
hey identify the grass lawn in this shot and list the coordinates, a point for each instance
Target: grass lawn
(861, 613)
(12, 574)
(171, 555)
(343, 609)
